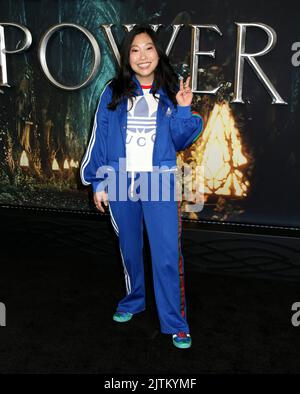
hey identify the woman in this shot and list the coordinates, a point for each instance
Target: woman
(144, 118)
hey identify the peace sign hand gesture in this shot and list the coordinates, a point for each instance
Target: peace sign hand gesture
(184, 95)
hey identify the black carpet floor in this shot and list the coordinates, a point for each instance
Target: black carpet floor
(60, 299)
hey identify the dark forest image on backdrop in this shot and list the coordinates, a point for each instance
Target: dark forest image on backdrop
(250, 151)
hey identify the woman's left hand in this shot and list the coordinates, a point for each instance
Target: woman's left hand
(184, 96)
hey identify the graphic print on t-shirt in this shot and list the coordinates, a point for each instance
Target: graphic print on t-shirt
(141, 132)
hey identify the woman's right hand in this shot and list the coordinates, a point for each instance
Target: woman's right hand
(99, 199)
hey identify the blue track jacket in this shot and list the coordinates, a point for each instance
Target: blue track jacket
(177, 128)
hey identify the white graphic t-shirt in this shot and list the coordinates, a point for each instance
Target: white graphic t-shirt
(141, 131)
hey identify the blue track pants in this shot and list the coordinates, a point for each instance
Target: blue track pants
(163, 224)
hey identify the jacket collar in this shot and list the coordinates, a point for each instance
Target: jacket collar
(139, 90)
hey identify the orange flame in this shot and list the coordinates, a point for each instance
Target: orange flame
(24, 162)
(222, 156)
(55, 166)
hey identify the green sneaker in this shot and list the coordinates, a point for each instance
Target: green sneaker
(122, 317)
(182, 340)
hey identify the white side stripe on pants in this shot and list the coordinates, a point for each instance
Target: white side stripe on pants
(127, 278)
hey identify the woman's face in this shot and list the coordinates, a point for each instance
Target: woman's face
(143, 58)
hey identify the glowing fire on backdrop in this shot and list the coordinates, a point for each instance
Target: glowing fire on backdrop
(31, 163)
(219, 150)
(55, 166)
(24, 162)
(221, 155)
(66, 166)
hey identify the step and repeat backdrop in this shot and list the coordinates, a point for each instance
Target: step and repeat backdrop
(244, 57)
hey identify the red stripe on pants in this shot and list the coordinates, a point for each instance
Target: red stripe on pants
(181, 274)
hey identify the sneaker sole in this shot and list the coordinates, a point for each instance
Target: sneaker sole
(121, 320)
(182, 345)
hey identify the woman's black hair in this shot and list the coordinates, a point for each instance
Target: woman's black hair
(164, 74)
